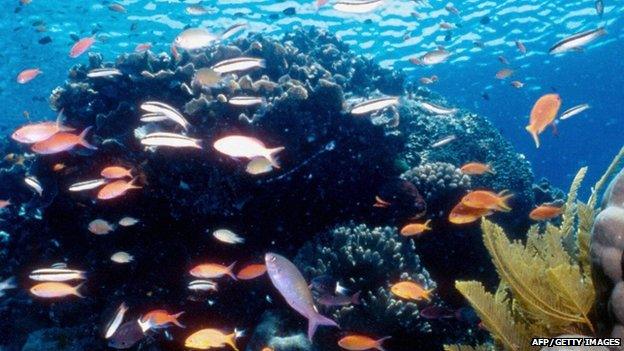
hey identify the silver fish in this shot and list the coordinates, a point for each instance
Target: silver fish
(166, 110)
(573, 111)
(56, 275)
(238, 64)
(443, 141)
(87, 185)
(233, 29)
(103, 72)
(153, 117)
(114, 323)
(171, 140)
(34, 184)
(577, 41)
(432, 57)
(436, 109)
(290, 283)
(194, 38)
(203, 285)
(245, 101)
(357, 6)
(374, 105)
(227, 236)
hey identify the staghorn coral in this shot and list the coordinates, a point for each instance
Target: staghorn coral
(440, 183)
(546, 286)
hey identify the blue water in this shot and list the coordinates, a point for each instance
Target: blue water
(391, 35)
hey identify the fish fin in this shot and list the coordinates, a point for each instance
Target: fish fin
(83, 141)
(317, 319)
(427, 222)
(355, 299)
(534, 135)
(502, 205)
(230, 270)
(262, 63)
(378, 343)
(8, 283)
(76, 292)
(490, 170)
(132, 186)
(59, 122)
(416, 61)
(231, 340)
(175, 319)
(271, 156)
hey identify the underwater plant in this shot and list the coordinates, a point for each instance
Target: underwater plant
(546, 287)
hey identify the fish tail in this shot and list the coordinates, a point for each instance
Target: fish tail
(427, 224)
(8, 283)
(175, 319)
(77, 292)
(534, 135)
(490, 170)
(230, 270)
(262, 63)
(271, 156)
(131, 184)
(83, 139)
(231, 340)
(378, 343)
(198, 144)
(502, 204)
(317, 319)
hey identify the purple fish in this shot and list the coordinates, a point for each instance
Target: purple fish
(126, 336)
(290, 283)
(339, 300)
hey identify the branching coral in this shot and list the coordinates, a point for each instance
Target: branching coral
(546, 289)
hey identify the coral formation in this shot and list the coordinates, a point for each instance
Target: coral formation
(546, 284)
(370, 260)
(607, 247)
(441, 183)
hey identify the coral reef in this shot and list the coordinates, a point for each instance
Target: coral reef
(546, 284)
(370, 260)
(274, 331)
(441, 183)
(476, 140)
(607, 249)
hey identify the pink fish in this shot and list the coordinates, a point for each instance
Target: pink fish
(143, 47)
(240, 146)
(34, 133)
(290, 283)
(320, 3)
(27, 75)
(61, 142)
(81, 46)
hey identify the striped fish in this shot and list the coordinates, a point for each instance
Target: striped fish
(202, 285)
(573, 111)
(577, 41)
(374, 105)
(436, 109)
(56, 275)
(153, 117)
(238, 64)
(232, 30)
(245, 101)
(357, 6)
(166, 110)
(171, 140)
(103, 73)
(87, 185)
(34, 184)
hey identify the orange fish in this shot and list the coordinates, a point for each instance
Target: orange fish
(81, 46)
(410, 291)
(161, 318)
(58, 167)
(116, 172)
(5, 203)
(356, 342)
(143, 47)
(251, 271)
(485, 199)
(61, 142)
(462, 214)
(379, 202)
(116, 189)
(543, 114)
(476, 168)
(504, 73)
(36, 132)
(27, 75)
(415, 228)
(52, 290)
(545, 212)
(267, 349)
(212, 270)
